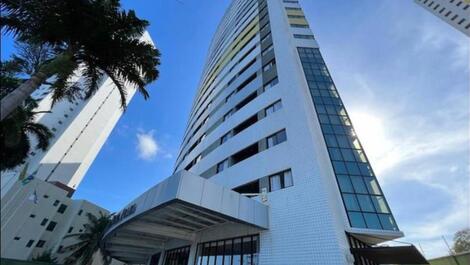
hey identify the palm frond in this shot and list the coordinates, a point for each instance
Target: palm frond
(41, 132)
(121, 88)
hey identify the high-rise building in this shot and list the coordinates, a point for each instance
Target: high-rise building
(270, 169)
(455, 12)
(37, 211)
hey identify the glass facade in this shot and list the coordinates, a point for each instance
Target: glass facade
(363, 199)
(177, 256)
(234, 251)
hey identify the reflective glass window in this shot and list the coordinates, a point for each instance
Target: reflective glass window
(335, 154)
(372, 221)
(237, 251)
(380, 204)
(228, 252)
(351, 202)
(348, 154)
(275, 182)
(358, 184)
(387, 222)
(365, 203)
(345, 184)
(356, 219)
(339, 167)
(353, 169)
(372, 186)
(288, 180)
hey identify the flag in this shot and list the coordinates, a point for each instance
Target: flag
(23, 172)
(29, 178)
(34, 197)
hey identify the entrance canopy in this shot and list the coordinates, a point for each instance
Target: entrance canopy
(177, 208)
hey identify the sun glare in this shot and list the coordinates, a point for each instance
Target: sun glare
(370, 131)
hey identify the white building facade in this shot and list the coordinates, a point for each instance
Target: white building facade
(36, 206)
(270, 170)
(37, 216)
(454, 12)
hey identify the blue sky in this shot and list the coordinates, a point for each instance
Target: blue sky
(402, 73)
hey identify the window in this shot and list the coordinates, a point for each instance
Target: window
(51, 226)
(222, 165)
(264, 27)
(300, 26)
(224, 138)
(16, 238)
(177, 256)
(62, 208)
(80, 212)
(265, 38)
(288, 180)
(245, 153)
(276, 138)
(246, 100)
(228, 114)
(229, 96)
(303, 36)
(274, 183)
(32, 215)
(269, 65)
(70, 229)
(44, 221)
(232, 251)
(291, 1)
(356, 219)
(295, 16)
(280, 180)
(250, 189)
(198, 158)
(45, 196)
(266, 50)
(30, 243)
(56, 202)
(40, 243)
(271, 83)
(273, 108)
(245, 124)
(293, 8)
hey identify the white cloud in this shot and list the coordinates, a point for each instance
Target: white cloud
(147, 146)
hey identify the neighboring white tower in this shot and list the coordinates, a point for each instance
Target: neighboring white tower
(455, 12)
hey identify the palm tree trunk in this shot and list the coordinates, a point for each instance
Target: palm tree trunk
(14, 99)
(20, 94)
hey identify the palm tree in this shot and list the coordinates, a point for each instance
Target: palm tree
(92, 38)
(46, 257)
(89, 242)
(15, 133)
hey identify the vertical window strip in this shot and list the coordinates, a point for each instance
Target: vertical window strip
(362, 197)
